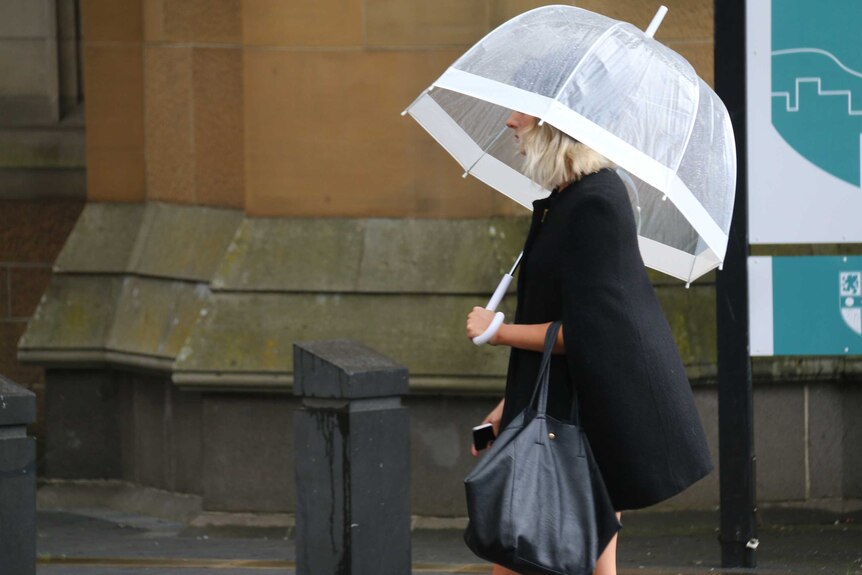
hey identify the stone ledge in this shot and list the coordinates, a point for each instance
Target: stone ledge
(114, 314)
(87, 358)
(75, 313)
(44, 148)
(155, 240)
(153, 317)
(118, 495)
(370, 256)
(183, 242)
(106, 229)
(217, 299)
(254, 332)
(28, 111)
(283, 383)
(185, 508)
(40, 184)
(807, 369)
(210, 519)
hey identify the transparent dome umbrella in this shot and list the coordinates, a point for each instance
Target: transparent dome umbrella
(617, 90)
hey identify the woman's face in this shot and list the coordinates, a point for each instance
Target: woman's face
(520, 123)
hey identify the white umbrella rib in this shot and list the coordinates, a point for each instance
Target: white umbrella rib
(485, 151)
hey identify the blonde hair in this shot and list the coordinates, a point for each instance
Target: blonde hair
(553, 158)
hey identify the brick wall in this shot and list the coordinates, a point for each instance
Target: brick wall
(31, 235)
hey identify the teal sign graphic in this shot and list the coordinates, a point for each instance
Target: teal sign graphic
(817, 82)
(817, 305)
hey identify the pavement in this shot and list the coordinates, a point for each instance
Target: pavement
(98, 541)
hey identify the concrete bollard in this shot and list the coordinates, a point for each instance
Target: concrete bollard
(352, 461)
(17, 480)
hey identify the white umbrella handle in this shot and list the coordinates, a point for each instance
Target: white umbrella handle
(486, 336)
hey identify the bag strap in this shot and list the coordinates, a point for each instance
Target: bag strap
(543, 381)
(541, 388)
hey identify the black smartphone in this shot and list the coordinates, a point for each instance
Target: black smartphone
(483, 435)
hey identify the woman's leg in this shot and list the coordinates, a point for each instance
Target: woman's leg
(607, 562)
(502, 571)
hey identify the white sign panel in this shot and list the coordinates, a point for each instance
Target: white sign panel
(804, 121)
(760, 311)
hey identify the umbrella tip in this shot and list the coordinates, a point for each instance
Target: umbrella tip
(656, 21)
(687, 285)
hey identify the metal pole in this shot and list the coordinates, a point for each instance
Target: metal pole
(738, 535)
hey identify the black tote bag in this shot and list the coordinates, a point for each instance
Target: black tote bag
(536, 500)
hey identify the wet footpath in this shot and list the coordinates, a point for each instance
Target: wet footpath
(81, 541)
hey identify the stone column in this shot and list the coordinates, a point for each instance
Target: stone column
(17, 480)
(352, 461)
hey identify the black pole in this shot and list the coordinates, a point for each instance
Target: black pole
(738, 534)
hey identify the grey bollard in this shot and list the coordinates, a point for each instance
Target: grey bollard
(352, 461)
(17, 480)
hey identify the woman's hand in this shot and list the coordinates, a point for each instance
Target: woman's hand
(494, 419)
(478, 321)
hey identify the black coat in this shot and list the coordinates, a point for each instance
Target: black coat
(582, 264)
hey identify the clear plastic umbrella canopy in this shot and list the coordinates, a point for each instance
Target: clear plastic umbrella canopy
(620, 92)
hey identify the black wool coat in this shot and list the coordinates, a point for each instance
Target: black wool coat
(582, 264)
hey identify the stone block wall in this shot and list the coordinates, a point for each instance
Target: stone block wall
(167, 330)
(164, 104)
(292, 109)
(114, 83)
(251, 183)
(39, 42)
(41, 116)
(29, 87)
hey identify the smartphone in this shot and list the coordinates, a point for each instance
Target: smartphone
(483, 435)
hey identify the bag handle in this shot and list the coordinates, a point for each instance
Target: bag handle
(545, 370)
(543, 381)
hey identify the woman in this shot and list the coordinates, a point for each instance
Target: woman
(582, 264)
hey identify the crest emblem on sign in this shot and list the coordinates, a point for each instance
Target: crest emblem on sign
(817, 84)
(850, 296)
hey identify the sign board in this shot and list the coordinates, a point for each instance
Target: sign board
(807, 305)
(804, 102)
